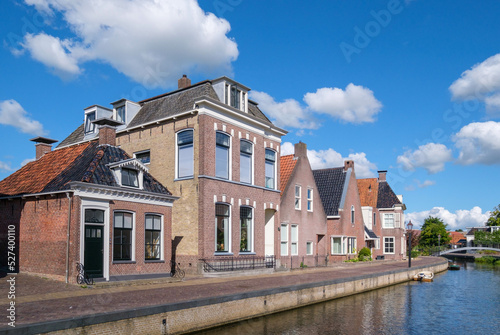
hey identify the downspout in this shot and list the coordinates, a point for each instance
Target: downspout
(67, 236)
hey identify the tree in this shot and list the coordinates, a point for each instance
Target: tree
(431, 229)
(484, 237)
(494, 219)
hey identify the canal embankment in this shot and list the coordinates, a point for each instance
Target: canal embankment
(201, 303)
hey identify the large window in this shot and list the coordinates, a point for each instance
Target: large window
(89, 126)
(284, 239)
(246, 229)
(222, 155)
(152, 237)
(388, 245)
(337, 246)
(222, 228)
(130, 177)
(388, 220)
(185, 154)
(351, 245)
(270, 168)
(122, 234)
(294, 239)
(310, 199)
(246, 150)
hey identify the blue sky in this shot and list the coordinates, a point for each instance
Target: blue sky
(412, 87)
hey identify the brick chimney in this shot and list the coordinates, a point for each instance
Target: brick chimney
(43, 145)
(348, 164)
(184, 82)
(382, 175)
(300, 150)
(107, 130)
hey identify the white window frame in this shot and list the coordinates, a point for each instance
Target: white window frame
(294, 239)
(141, 153)
(309, 248)
(310, 196)
(284, 239)
(227, 237)
(395, 220)
(134, 230)
(298, 193)
(250, 231)
(228, 155)
(351, 245)
(124, 120)
(162, 238)
(251, 161)
(177, 158)
(386, 238)
(89, 127)
(273, 187)
(342, 245)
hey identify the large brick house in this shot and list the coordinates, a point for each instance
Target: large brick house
(90, 203)
(213, 147)
(303, 225)
(339, 195)
(383, 213)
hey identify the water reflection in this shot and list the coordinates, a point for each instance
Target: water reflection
(457, 302)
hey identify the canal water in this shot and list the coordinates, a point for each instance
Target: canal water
(456, 302)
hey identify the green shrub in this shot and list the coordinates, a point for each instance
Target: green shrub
(364, 254)
(414, 254)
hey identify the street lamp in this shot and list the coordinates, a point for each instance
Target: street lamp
(410, 227)
(439, 244)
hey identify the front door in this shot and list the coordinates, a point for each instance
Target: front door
(94, 251)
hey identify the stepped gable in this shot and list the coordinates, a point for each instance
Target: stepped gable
(386, 196)
(287, 164)
(330, 183)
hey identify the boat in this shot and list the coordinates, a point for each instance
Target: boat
(424, 276)
(453, 267)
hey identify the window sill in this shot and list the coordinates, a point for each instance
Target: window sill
(154, 261)
(223, 253)
(184, 178)
(123, 262)
(245, 253)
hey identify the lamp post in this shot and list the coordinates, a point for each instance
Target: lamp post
(410, 227)
(439, 244)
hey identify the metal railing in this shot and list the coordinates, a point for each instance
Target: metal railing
(230, 263)
(294, 262)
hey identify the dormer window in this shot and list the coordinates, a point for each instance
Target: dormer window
(129, 172)
(120, 114)
(130, 177)
(235, 97)
(232, 93)
(89, 126)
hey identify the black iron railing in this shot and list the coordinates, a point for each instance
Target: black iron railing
(230, 263)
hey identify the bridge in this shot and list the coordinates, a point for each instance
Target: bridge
(449, 251)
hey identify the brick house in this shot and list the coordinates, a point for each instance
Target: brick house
(383, 213)
(90, 203)
(213, 147)
(302, 220)
(339, 195)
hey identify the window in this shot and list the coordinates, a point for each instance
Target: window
(297, 196)
(309, 199)
(235, 97)
(222, 227)
(388, 220)
(352, 214)
(284, 240)
(222, 155)
(337, 245)
(246, 229)
(120, 114)
(94, 216)
(152, 237)
(122, 234)
(351, 245)
(130, 178)
(388, 245)
(294, 239)
(89, 126)
(270, 168)
(309, 248)
(185, 154)
(374, 219)
(144, 157)
(246, 151)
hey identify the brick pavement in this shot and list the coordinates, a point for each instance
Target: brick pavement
(41, 300)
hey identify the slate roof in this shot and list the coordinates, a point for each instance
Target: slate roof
(287, 164)
(370, 233)
(83, 163)
(330, 183)
(386, 196)
(368, 191)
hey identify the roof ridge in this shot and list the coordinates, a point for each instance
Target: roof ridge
(174, 92)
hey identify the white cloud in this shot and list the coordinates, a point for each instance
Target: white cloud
(288, 113)
(13, 114)
(459, 220)
(355, 104)
(426, 183)
(27, 160)
(5, 166)
(152, 42)
(479, 142)
(481, 82)
(329, 158)
(431, 156)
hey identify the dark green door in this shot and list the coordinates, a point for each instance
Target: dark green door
(94, 251)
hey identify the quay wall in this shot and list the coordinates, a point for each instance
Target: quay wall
(185, 317)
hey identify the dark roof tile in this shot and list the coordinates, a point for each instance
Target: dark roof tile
(330, 183)
(386, 196)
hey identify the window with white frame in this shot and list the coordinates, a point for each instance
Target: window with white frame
(130, 177)
(374, 219)
(388, 245)
(222, 155)
(153, 240)
(388, 220)
(298, 190)
(309, 248)
(337, 246)
(123, 236)
(246, 151)
(89, 126)
(294, 239)
(310, 199)
(120, 114)
(270, 168)
(246, 229)
(222, 228)
(143, 156)
(351, 245)
(185, 154)
(284, 239)
(377, 243)
(235, 97)
(352, 214)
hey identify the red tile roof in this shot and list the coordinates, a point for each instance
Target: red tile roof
(34, 176)
(456, 237)
(368, 191)
(287, 164)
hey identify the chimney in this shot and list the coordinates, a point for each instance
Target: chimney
(43, 145)
(382, 175)
(107, 130)
(184, 82)
(300, 150)
(348, 164)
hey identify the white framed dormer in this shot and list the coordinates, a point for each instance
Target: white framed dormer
(93, 113)
(232, 93)
(129, 173)
(124, 111)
